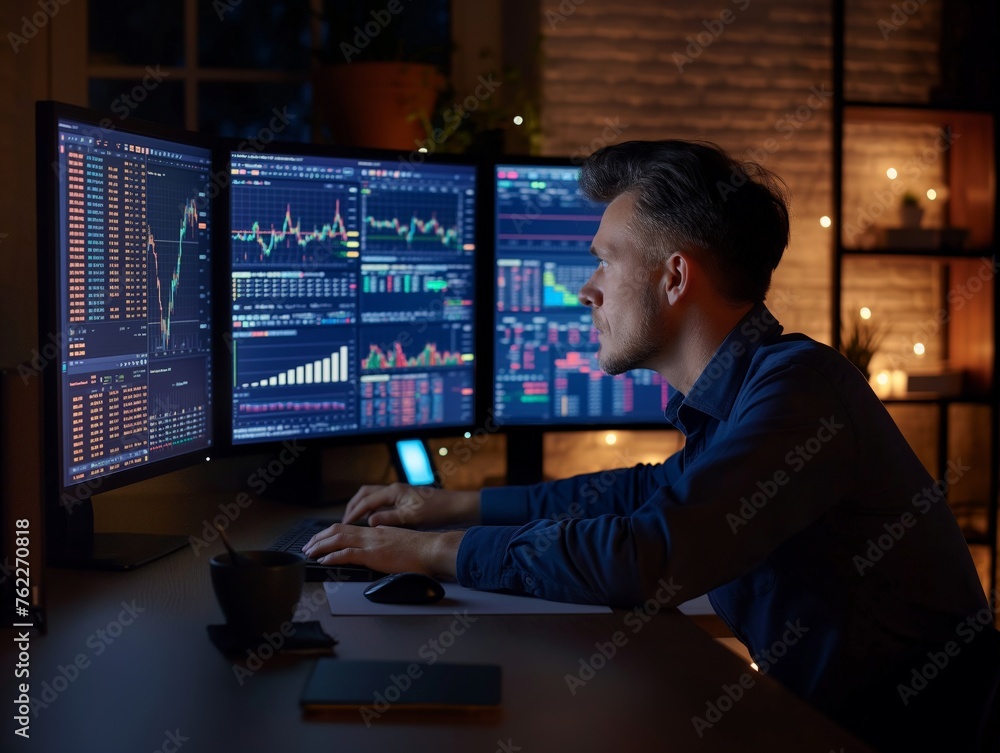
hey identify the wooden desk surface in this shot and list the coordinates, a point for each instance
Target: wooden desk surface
(147, 684)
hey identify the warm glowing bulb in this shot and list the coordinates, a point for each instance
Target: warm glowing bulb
(866, 313)
(753, 666)
(518, 120)
(882, 378)
(443, 451)
(610, 438)
(931, 194)
(891, 172)
(422, 149)
(825, 221)
(919, 348)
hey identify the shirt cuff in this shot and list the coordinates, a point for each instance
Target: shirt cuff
(504, 506)
(481, 555)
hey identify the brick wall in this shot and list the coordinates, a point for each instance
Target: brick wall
(891, 55)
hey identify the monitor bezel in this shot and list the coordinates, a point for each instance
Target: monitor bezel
(47, 116)
(615, 424)
(223, 255)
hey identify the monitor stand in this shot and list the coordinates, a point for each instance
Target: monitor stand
(300, 483)
(525, 455)
(70, 541)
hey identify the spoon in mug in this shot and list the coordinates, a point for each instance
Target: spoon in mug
(237, 558)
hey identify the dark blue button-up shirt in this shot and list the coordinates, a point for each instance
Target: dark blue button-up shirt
(796, 504)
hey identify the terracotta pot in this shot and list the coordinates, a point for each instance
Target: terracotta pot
(371, 104)
(910, 215)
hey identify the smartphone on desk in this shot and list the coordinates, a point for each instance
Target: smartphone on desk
(413, 462)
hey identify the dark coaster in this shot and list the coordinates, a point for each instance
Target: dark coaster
(307, 638)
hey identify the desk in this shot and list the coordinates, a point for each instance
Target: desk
(158, 677)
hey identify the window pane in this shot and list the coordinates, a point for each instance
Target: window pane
(362, 31)
(234, 34)
(245, 110)
(136, 33)
(147, 99)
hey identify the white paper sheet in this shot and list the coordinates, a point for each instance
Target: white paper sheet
(348, 599)
(699, 605)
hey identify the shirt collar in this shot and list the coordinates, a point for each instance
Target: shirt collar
(715, 390)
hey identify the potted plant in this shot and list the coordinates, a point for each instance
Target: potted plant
(861, 343)
(478, 124)
(910, 212)
(368, 81)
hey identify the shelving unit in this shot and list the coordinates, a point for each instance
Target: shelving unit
(965, 157)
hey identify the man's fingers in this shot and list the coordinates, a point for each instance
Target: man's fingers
(385, 518)
(349, 556)
(320, 536)
(351, 510)
(367, 500)
(336, 536)
(390, 549)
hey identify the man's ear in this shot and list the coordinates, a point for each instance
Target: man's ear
(676, 277)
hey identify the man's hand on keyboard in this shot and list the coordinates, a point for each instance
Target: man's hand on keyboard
(387, 549)
(412, 506)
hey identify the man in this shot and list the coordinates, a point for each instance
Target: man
(796, 504)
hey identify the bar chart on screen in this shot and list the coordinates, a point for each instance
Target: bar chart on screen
(288, 358)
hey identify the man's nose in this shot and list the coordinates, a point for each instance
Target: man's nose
(589, 294)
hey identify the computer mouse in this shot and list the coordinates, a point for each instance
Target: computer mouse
(405, 588)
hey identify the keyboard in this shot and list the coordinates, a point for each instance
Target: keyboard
(295, 538)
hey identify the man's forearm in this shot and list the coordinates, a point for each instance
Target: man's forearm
(618, 491)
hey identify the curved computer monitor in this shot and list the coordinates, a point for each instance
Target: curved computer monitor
(352, 301)
(125, 295)
(545, 367)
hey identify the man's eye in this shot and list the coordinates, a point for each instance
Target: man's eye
(602, 263)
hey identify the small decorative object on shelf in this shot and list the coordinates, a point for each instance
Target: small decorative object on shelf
(862, 341)
(911, 214)
(910, 235)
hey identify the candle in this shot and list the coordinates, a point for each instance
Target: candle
(881, 383)
(897, 383)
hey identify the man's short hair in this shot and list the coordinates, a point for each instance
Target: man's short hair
(693, 196)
